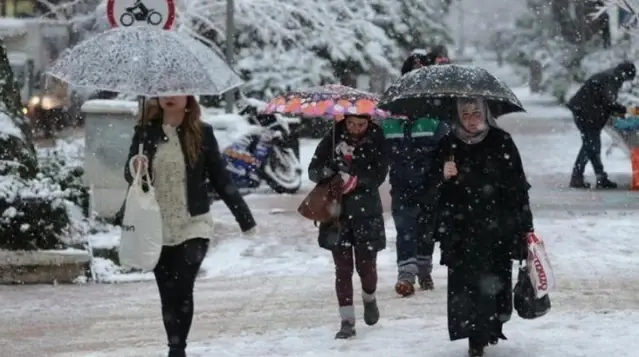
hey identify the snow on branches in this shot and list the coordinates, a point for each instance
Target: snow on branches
(285, 43)
(631, 7)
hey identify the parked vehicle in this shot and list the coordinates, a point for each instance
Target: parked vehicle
(48, 114)
(264, 154)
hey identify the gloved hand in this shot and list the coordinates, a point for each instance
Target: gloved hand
(618, 110)
(520, 247)
(349, 182)
(339, 164)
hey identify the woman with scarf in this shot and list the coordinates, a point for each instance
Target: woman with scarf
(355, 153)
(484, 218)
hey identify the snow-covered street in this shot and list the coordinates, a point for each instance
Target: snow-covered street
(272, 295)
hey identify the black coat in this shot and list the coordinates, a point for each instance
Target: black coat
(484, 215)
(361, 218)
(210, 169)
(596, 100)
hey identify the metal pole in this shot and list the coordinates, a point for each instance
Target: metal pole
(462, 30)
(230, 36)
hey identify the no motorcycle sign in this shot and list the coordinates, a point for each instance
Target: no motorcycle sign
(126, 13)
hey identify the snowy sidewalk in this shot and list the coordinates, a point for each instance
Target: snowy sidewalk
(272, 295)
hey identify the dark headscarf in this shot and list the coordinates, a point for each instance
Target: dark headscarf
(409, 63)
(428, 59)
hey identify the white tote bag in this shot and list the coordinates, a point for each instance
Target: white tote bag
(539, 268)
(141, 240)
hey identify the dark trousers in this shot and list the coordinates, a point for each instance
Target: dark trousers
(414, 241)
(349, 259)
(590, 151)
(175, 276)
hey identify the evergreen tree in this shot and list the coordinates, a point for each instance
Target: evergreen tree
(33, 214)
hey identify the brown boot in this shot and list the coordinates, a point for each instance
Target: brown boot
(404, 288)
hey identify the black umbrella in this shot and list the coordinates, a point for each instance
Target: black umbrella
(430, 91)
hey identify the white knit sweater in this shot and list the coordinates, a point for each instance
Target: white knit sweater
(169, 176)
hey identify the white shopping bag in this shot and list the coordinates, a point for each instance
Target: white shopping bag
(141, 240)
(539, 268)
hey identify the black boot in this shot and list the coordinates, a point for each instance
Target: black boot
(346, 331)
(475, 348)
(578, 182)
(371, 312)
(426, 282)
(605, 183)
(496, 335)
(494, 338)
(177, 352)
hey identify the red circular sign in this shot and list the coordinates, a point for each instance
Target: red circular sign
(126, 13)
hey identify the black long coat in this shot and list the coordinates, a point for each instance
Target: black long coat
(483, 216)
(361, 220)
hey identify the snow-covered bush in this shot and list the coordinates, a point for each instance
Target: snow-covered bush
(68, 177)
(34, 214)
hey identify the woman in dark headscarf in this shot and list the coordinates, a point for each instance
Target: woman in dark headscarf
(419, 60)
(415, 61)
(484, 218)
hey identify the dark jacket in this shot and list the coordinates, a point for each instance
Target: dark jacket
(596, 100)
(484, 217)
(362, 207)
(210, 169)
(410, 144)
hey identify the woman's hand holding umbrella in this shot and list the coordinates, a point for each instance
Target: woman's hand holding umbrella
(450, 169)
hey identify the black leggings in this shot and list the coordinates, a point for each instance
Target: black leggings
(175, 275)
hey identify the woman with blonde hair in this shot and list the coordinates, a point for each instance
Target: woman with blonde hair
(181, 153)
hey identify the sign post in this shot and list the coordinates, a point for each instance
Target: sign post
(126, 13)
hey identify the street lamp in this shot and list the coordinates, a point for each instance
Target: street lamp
(229, 96)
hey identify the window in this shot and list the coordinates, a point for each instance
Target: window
(18, 8)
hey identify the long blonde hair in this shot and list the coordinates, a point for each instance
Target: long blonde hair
(192, 125)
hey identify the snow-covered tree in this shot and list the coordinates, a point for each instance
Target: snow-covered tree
(283, 44)
(269, 40)
(558, 34)
(627, 49)
(413, 24)
(33, 211)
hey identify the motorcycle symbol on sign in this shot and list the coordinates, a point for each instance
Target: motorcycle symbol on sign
(139, 12)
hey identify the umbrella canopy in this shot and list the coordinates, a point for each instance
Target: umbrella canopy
(145, 60)
(331, 101)
(431, 90)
